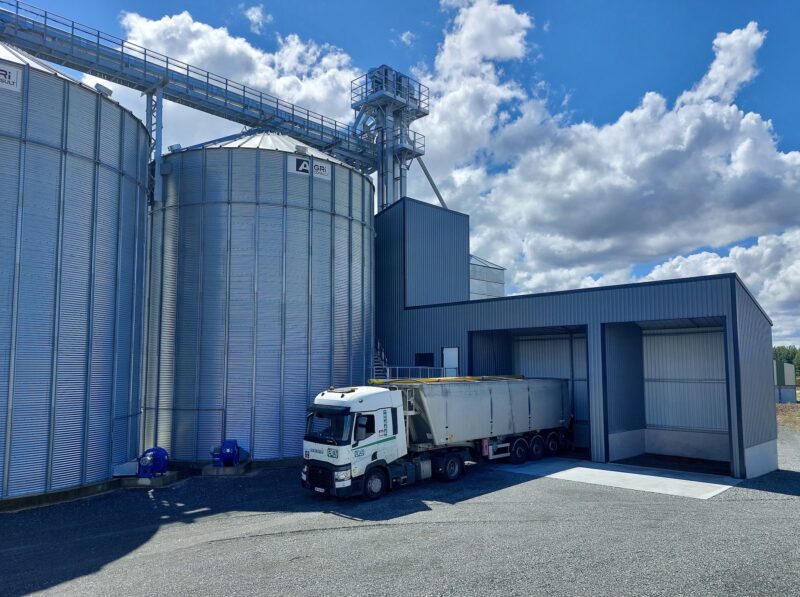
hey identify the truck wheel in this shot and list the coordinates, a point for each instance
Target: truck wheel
(374, 484)
(537, 448)
(452, 468)
(519, 451)
(552, 443)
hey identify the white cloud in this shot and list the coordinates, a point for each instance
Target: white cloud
(257, 17)
(407, 38)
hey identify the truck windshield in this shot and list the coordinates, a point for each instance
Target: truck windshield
(329, 427)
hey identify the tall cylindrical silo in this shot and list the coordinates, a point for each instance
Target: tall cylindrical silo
(260, 294)
(73, 197)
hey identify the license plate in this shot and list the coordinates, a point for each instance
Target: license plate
(319, 490)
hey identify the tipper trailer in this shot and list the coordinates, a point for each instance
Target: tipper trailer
(369, 439)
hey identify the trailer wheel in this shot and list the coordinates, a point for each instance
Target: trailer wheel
(537, 448)
(452, 468)
(519, 451)
(553, 443)
(374, 484)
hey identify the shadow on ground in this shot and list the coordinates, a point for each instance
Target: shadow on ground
(44, 547)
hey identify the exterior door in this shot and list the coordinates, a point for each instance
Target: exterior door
(450, 361)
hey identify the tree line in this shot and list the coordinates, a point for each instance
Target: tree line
(787, 354)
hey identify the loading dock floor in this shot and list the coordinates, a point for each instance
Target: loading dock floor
(624, 476)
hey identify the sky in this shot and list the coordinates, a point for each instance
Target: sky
(592, 143)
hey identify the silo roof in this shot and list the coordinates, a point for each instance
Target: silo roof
(265, 140)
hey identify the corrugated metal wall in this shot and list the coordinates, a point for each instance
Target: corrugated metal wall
(260, 298)
(754, 348)
(685, 380)
(73, 165)
(436, 254)
(560, 356)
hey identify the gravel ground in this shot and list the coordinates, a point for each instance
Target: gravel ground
(493, 533)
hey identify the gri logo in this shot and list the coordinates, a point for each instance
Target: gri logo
(9, 78)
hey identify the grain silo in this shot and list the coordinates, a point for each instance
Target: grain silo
(73, 199)
(260, 293)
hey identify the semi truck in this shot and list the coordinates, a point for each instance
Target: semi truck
(367, 440)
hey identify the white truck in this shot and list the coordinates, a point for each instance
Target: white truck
(367, 440)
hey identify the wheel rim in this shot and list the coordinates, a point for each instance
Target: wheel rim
(452, 468)
(538, 448)
(521, 450)
(375, 484)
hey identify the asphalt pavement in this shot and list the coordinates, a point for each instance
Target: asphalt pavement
(492, 533)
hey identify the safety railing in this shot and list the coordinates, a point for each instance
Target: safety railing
(392, 372)
(61, 40)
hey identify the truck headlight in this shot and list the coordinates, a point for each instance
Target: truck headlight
(304, 472)
(341, 475)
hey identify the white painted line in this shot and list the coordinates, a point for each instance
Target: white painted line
(684, 484)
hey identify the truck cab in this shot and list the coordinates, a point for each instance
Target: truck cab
(353, 434)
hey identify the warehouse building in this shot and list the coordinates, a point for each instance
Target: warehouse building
(678, 367)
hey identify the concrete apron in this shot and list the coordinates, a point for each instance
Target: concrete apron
(669, 482)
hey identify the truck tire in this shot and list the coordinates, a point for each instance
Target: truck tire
(375, 484)
(537, 449)
(552, 443)
(452, 468)
(519, 451)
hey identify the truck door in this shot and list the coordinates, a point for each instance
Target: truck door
(378, 443)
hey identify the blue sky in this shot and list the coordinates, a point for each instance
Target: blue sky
(605, 55)
(590, 142)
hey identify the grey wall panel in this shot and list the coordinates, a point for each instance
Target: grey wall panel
(35, 314)
(217, 176)
(269, 334)
(110, 134)
(295, 398)
(321, 307)
(356, 350)
(271, 176)
(754, 344)
(685, 380)
(243, 175)
(436, 254)
(241, 331)
(98, 457)
(341, 302)
(45, 108)
(492, 354)
(341, 190)
(9, 171)
(271, 302)
(82, 123)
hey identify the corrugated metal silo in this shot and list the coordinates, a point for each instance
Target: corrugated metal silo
(260, 294)
(73, 198)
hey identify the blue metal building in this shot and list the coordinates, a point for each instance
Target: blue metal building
(677, 367)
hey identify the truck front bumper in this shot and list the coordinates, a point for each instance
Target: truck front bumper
(320, 480)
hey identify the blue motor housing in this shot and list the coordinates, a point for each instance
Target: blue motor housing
(153, 462)
(227, 454)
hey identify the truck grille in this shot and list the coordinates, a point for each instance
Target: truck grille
(319, 477)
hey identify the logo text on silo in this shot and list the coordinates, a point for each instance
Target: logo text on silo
(9, 78)
(304, 166)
